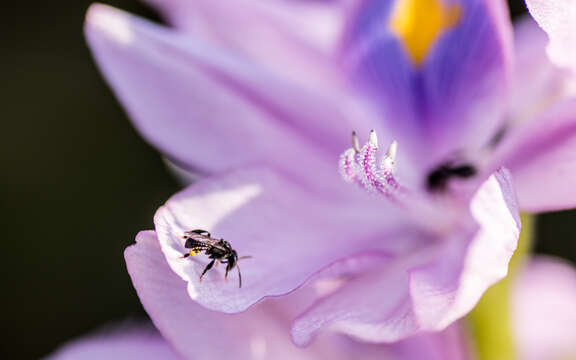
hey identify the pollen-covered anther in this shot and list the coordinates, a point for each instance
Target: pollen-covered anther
(361, 166)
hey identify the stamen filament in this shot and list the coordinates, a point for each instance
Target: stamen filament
(360, 165)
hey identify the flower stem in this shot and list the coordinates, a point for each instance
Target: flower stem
(490, 320)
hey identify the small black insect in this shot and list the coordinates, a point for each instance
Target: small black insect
(438, 178)
(219, 250)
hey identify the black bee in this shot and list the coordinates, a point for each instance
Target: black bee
(438, 178)
(220, 251)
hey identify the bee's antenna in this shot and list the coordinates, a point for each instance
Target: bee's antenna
(239, 276)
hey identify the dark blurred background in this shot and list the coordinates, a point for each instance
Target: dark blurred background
(78, 183)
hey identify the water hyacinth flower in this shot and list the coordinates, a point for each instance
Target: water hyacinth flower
(263, 98)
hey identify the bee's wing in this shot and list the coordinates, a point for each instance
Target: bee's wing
(215, 244)
(208, 241)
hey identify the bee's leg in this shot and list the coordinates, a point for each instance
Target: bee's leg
(192, 252)
(228, 268)
(208, 267)
(239, 276)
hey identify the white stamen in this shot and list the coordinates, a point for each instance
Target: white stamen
(389, 160)
(373, 139)
(355, 142)
(392, 150)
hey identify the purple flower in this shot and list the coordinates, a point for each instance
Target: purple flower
(263, 98)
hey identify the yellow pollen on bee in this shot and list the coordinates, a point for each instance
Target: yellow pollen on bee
(192, 253)
(419, 23)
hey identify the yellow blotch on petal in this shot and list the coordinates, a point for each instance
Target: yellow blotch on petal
(419, 23)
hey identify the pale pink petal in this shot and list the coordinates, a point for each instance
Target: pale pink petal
(556, 17)
(291, 231)
(454, 285)
(120, 344)
(546, 83)
(402, 299)
(266, 30)
(544, 310)
(197, 333)
(450, 344)
(210, 111)
(542, 160)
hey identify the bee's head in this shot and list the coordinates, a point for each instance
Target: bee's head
(233, 259)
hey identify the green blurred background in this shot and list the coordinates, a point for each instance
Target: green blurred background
(78, 183)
